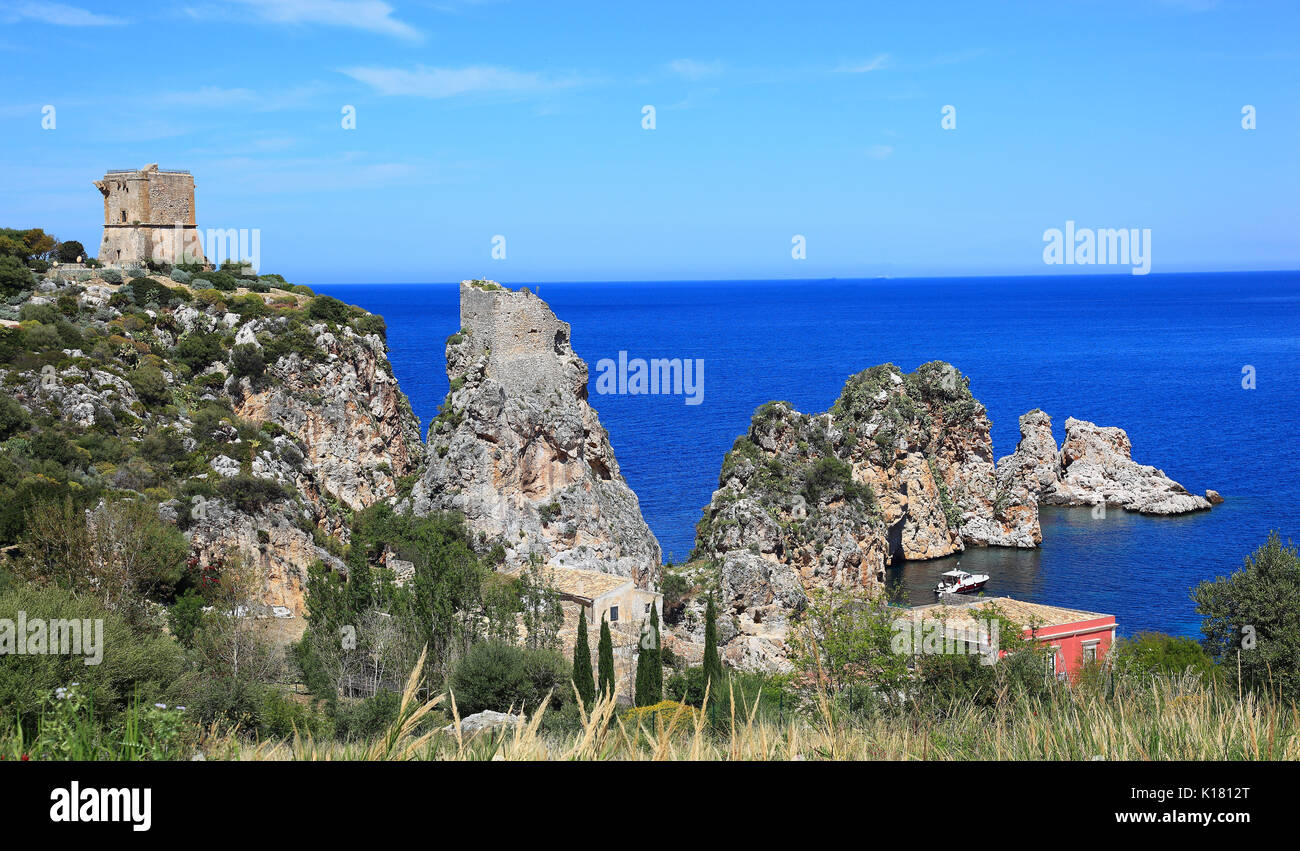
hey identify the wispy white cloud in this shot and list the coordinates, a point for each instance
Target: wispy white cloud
(694, 69)
(219, 97)
(880, 152)
(59, 14)
(876, 63)
(373, 16)
(426, 82)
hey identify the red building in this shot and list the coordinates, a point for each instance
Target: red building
(1076, 637)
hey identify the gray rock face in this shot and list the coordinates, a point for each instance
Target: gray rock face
(274, 540)
(347, 411)
(485, 720)
(519, 451)
(1036, 463)
(1098, 467)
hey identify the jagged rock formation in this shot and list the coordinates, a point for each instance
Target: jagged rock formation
(1035, 465)
(1094, 466)
(519, 451)
(901, 467)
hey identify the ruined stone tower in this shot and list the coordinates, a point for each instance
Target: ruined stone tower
(149, 215)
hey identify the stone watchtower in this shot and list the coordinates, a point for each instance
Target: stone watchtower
(149, 215)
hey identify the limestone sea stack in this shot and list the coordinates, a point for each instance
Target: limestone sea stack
(519, 451)
(901, 467)
(1094, 466)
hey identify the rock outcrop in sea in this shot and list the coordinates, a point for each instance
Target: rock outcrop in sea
(1094, 466)
(519, 451)
(900, 468)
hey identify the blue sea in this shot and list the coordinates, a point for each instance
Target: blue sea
(1161, 356)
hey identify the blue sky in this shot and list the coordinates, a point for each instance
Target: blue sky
(524, 119)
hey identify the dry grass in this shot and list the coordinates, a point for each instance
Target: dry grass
(1165, 719)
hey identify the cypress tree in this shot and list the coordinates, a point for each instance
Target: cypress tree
(712, 663)
(582, 676)
(606, 661)
(656, 681)
(643, 662)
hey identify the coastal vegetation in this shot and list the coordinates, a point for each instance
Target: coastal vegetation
(849, 696)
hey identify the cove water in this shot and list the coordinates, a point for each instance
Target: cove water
(1161, 356)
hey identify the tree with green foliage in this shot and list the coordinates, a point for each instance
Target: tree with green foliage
(1149, 654)
(583, 679)
(14, 276)
(656, 682)
(246, 361)
(1251, 621)
(712, 663)
(185, 616)
(605, 661)
(199, 351)
(70, 251)
(844, 637)
(649, 663)
(641, 689)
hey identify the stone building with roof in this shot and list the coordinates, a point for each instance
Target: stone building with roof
(616, 599)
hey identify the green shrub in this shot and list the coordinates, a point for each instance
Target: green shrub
(328, 309)
(246, 360)
(1147, 654)
(112, 276)
(44, 313)
(145, 290)
(198, 351)
(132, 662)
(367, 718)
(180, 276)
(13, 417)
(150, 385)
(502, 677)
(250, 493)
(222, 280)
(40, 338)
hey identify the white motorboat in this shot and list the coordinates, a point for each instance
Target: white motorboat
(960, 582)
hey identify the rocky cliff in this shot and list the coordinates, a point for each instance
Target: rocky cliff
(519, 451)
(257, 415)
